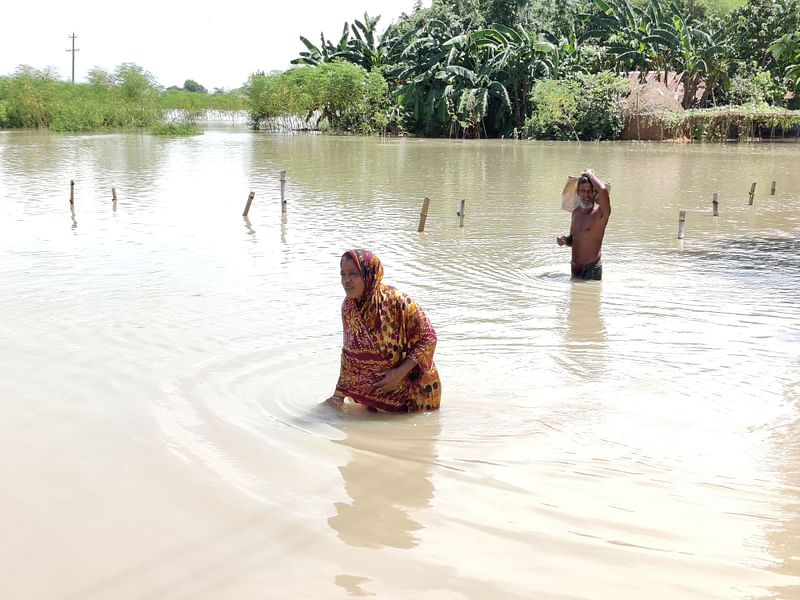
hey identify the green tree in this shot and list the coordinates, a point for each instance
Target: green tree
(326, 52)
(190, 85)
(586, 107)
(344, 96)
(786, 52)
(364, 48)
(516, 58)
(416, 60)
(140, 94)
(699, 57)
(755, 26)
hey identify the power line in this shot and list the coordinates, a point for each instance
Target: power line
(73, 50)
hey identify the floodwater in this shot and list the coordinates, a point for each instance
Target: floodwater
(163, 363)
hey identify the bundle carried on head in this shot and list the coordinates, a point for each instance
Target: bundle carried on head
(569, 195)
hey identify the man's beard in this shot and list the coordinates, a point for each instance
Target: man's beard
(586, 204)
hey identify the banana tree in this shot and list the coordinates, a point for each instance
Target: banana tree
(414, 62)
(475, 93)
(324, 53)
(516, 58)
(364, 48)
(696, 55)
(626, 29)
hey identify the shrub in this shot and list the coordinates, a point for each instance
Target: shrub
(176, 128)
(555, 104)
(586, 107)
(347, 97)
(753, 86)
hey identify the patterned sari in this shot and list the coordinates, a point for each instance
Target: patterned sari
(380, 331)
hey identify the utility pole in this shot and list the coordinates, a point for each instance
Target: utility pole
(73, 50)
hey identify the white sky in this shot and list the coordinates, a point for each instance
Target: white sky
(216, 44)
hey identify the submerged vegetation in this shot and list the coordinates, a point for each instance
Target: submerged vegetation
(554, 69)
(338, 95)
(726, 123)
(176, 128)
(127, 98)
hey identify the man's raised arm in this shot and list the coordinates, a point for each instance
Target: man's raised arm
(603, 198)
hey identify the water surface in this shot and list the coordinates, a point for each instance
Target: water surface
(164, 359)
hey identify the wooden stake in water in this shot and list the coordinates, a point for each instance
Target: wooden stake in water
(423, 215)
(772, 189)
(461, 214)
(283, 188)
(114, 198)
(71, 193)
(681, 224)
(715, 203)
(249, 202)
(752, 193)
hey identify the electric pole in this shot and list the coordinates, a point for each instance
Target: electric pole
(73, 50)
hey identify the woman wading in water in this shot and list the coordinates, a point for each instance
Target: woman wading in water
(387, 354)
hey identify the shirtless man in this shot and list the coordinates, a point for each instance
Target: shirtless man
(589, 220)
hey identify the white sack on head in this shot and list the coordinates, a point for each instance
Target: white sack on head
(569, 196)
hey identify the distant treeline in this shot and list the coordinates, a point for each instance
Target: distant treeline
(126, 98)
(540, 68)
(546, 69)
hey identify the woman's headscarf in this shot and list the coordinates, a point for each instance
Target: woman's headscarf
(371, 271)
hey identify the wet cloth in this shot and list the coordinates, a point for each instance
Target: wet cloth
(381, 330)
(592, 271)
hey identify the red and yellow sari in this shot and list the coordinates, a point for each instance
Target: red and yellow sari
(380, 331)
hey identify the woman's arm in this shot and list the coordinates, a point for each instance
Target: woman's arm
(391, 379)
(422, 339)
(421, 345)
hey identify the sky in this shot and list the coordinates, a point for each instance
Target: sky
(218, 45)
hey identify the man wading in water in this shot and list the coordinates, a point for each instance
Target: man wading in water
(589, 220)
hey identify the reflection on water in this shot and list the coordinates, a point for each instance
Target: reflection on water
(784, 538)
(167, 356)
(771, 261)
(388, 479)
(585, 340)
(352, 585)
(248, 226)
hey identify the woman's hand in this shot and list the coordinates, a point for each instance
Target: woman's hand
(390, 380)
(335, 401)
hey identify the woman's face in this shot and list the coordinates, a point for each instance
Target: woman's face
(352, 282)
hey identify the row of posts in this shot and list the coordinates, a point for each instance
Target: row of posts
(715, 206)
(72, 198)
(283, 197)
(423, 216)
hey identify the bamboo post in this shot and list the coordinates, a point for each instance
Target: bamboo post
(249, 202)
(461, 214)
(423, 215)
(772, 189)
(283, 189)
(752, 193)
(681, 224)
(715, 203)
(72, 192)
(114, 194)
